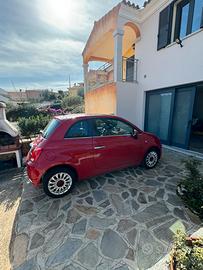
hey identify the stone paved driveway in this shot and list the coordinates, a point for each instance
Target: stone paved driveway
(120, 220)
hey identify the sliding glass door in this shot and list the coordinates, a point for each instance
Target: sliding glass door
(158, 114)
(169, 115)
(182, 116)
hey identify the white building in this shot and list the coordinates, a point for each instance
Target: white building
(157, 58)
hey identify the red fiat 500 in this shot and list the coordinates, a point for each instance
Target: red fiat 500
(77, 147)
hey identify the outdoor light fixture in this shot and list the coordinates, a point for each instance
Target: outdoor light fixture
(179, 41)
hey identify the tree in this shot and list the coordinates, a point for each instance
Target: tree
(48, 96)
(81, 92)
(60, 94)
(69, 103)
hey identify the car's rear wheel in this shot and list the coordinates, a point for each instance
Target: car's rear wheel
(58, 182)
(151, 159)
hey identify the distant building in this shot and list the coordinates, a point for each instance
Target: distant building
(34, 94)
(26, 95)
(100, 76)
(73, 91)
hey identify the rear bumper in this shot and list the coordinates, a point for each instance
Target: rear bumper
(34, 174)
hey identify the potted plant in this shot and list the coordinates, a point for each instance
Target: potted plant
(190, 188)
(187, 253)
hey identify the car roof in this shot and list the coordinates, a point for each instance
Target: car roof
(82, 115)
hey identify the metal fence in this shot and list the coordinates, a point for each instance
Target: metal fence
(130, 66)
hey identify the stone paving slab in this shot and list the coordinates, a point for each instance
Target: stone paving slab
(119, 220)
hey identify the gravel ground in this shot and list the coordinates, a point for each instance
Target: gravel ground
(10, 194)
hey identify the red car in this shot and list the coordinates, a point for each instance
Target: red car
(77, 147)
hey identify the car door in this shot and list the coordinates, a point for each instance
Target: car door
(78, 148)
(113, 144)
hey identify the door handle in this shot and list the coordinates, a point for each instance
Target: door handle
(99, 147)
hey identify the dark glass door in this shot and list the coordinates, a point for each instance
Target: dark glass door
(158, 113)
(182, 116)
(169, 115)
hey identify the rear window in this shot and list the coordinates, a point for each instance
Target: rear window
(50, 128)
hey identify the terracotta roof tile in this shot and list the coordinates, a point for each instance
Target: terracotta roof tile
(128, 3)
(146, 3)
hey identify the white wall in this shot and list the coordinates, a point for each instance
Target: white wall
(126, 101)
(167, 67)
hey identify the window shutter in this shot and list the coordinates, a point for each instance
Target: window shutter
(165, 25)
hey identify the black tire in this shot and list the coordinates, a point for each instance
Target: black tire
(59, 175)
(151, 159)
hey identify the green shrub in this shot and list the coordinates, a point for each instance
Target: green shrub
(79, 109)
(81, 92)
(48, 96)
(23, 110)
(186, 254)
(69, 103)
(192, 187)
(32, 125)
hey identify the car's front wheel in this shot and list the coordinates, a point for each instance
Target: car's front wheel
(151, 159)
(58, 182)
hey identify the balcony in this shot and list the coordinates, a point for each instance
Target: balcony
(105, 73)
(112, 42)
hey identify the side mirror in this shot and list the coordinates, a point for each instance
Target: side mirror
(134, 133)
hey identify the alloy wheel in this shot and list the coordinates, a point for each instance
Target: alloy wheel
(151, 159)
(60, 183)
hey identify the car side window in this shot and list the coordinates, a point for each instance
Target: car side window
(111, 127)
(78, 130)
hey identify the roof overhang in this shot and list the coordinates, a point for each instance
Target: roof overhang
(100, 45)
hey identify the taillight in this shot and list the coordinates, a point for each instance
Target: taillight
(35, 153)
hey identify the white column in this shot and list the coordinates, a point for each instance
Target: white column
(85, 72)
(118, 45)
(18, 158)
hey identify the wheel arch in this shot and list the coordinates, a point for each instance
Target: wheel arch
(67, 166)
(154, 148)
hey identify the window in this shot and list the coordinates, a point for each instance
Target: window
(78, 130)
(184, 14)
(111, 127)
(198, 15)
(188, 17)
(50, 128)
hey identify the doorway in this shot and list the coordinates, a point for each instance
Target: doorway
(175, 115)
(196, 136)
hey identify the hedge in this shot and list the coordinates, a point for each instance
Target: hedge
(33, 125)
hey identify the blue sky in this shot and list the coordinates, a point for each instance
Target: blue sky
(41, 41)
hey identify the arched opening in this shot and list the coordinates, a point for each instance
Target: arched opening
(131, 33)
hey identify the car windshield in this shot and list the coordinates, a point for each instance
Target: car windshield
(50, 128)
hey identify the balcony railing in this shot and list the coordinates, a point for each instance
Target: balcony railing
(129, 73)
(105, 67)
(130, 66)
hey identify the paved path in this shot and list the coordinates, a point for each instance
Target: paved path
(122, 221)
(10, 192)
